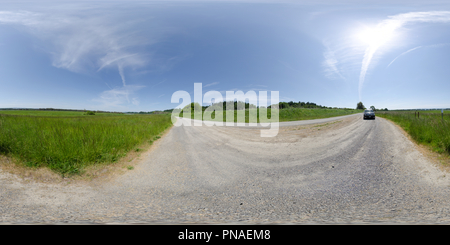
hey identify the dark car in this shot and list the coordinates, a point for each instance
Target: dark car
(369, 114)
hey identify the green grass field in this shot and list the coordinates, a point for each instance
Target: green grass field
(289, 114)
(66, 142)
(44, 113)
(429, 128)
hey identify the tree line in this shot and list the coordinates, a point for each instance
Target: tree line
(300, 104)
(360, 106)
(240, 105)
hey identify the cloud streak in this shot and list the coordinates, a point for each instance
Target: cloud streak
(403, 54)
(80, 43)
(344, 55)
(330, 63)
(210, 84)
(117, 97)
(388, 26)
(86, 43)
(410, 50)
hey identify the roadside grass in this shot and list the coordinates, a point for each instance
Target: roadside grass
(429, 128)
(45, 113)
(68, 144)
(288, 114)
(294, 114)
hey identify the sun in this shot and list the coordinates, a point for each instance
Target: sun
(376, 36)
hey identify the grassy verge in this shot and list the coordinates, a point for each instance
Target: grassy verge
(67, 144)
(428, 129)
(295, 114)
(45, 113)
(288, 114)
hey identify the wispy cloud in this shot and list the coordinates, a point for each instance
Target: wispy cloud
(410, 50)
(118, 97)
(158, 84)
(330, 63)
(403, 54)
(86, 43)
(389, 26)
(210, 84)
(343, 54)
(81, 43)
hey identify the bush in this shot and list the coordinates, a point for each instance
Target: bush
(91, 113)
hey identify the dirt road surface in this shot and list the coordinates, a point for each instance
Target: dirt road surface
(340, 170)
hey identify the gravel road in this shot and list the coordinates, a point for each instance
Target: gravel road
(340, 170)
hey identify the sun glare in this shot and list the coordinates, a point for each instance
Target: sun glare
(376, 36)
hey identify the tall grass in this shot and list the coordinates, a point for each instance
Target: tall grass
(54, 113)
(429, 128)
(67, 144)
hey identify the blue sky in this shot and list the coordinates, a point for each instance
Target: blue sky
(133, 55)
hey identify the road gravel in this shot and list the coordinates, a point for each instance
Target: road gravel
(339, 171)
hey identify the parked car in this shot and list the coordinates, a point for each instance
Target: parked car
(369, 114)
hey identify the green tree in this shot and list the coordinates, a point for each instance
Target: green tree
(193, 107)
(360, 106)
(372, 107)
